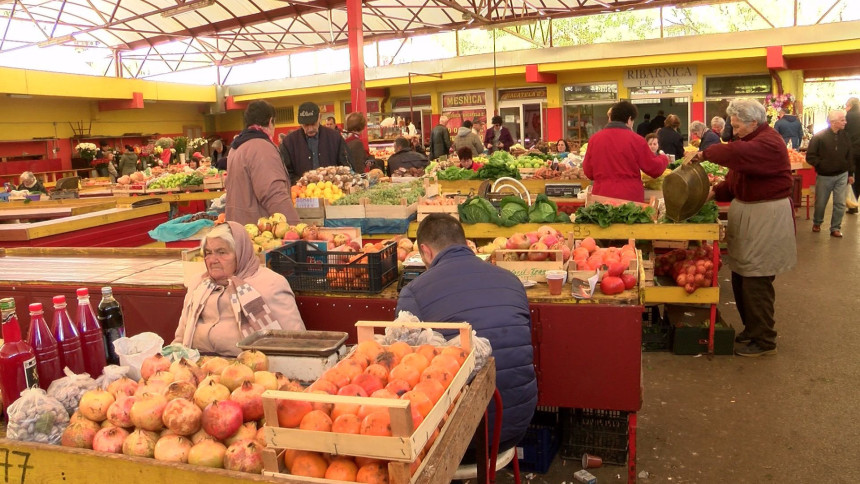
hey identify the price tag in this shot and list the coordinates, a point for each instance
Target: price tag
(307, 203)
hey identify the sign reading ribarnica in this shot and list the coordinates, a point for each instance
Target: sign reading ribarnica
(660, 76)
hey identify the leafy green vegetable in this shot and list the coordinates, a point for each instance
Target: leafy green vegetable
(714, 169)
(543, 210)
(478, 210)
(708, 214)
(513, 210)
(455, 173)
(502, 157)
(605, 215)
(386, 194)
(495, 169)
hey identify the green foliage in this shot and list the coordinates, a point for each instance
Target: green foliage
(478, 210)
(543, 210)
(513, 210)
(455, 173)
(605, 215)
(386, 194)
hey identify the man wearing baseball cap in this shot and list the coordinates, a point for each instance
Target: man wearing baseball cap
(312, 146)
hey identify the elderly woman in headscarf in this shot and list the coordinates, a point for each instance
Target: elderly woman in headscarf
(760, 232)
(234, 297)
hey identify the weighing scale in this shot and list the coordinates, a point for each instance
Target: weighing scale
(413, 266)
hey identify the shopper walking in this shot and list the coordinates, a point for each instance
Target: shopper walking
(760, 232)
(829, 153)
(852, 127)
(440, 139)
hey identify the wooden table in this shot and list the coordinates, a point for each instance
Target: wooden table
(28, 462)
(32, 212)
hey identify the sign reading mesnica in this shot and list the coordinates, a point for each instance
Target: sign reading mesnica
(660, 76)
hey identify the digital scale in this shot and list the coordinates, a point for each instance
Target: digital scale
(413, 266)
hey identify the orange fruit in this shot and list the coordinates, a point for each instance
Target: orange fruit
(316, 420)
(398, 387)
(369, 348)
(427, 351)
(308, 464)
(342, 469)
(407, 373)
(432, 388)
(419, 401)
(378, 371)
(415, 360)
(344, 409)
(337, 376)
(291, 412)
(458, 353)
(442, 375)
(323, 385)
(446, 361)
(400, 349)
(373, 473)
(377, 423)
(347, 423)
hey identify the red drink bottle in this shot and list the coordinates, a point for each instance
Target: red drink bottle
(44, 346)
(17, 359)
(92, 340)
(68, 339)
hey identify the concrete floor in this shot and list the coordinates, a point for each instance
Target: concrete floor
(783, 418)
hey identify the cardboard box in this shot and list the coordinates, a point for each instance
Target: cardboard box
(310, 208)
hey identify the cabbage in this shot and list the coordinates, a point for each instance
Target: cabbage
(477, 210)
(513, 210)
(544, 210)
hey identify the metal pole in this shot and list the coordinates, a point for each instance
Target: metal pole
(411, 108)
(356, 60)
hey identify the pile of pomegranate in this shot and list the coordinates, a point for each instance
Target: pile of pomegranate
(691, 268)
(207, 413)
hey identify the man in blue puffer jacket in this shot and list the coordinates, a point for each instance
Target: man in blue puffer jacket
(458, 286)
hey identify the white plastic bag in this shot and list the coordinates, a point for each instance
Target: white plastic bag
(132, 351)
(110, 374)
(483, 351)
(176, 352)
(36, 417)
(850, 199)
(69, 389)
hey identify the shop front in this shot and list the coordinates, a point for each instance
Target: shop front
(522, 112)
(462, 106)
(585, 108)
(720, 90)
(418, 110)
(662, 91)
(375, 131)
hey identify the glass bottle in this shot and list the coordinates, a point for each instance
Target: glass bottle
(110, 319)
(44, 346)
(17, 359)
(92, 339)
(68, 339)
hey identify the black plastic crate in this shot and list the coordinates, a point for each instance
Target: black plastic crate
(538, 448)
(308, 266)
(598, 432)
(656, 331)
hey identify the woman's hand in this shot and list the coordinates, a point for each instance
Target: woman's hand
(711, 194)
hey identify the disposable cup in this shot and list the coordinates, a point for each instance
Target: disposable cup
(555, 282)
(591, 461)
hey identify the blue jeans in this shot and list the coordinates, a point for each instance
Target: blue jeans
(824, 186)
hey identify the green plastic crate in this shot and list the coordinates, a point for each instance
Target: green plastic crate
(690, 335)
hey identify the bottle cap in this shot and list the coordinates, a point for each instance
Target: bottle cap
(107, 290)
(36, 307)
(7, 304)
(59, 300)
(82, 292)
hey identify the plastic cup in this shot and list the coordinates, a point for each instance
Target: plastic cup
(591, 461)
(555, 280)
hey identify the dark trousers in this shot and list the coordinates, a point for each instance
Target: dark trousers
(856, 185)
(755, 297)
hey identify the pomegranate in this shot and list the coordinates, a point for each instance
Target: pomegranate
(119, 412)
(180, 389)
(150, 387)
(282, 379)
(261, 436)
(110, 440)
(106, 424)
(518, 241)
(235, 374)
(162, 376)
(140, 443)
(222, 419)
(249, 396)
(244, 456)
(256, 360)
(208, 453)
(182, 416)
(245, 432)
(147, 410)
(94, 404)
(153, 364)
(124, 386)
(267, 379)
(77, 417)
(183, 370)
(199, 436)
(173, 448)
(540, 254)
(164, 433)
(209, 392)
(215, 365)
(79, 435)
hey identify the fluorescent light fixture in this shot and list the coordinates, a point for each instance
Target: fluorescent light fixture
(185, 7)
(56, 41)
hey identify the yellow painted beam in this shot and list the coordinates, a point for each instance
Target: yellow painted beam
(614, 62)
(580, 231)
(303, 91)
(822, 48)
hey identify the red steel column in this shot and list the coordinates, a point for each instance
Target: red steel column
(356, 59)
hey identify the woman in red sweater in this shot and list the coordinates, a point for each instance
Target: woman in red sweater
(616, 154)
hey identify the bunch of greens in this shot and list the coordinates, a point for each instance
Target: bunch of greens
(512, 211)
(478, 210)
(708, 214)
(605, 215)
(455, 173)
(386, 194)
(495, 169)
(714, 169)
(501, 157)
(545, 210)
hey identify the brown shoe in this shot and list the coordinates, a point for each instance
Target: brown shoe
(836, 233)
(816, 228)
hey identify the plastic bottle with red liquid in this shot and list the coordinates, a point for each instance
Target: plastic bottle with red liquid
(92, 340)
(44, 345)
(17, 359)
(68, 339)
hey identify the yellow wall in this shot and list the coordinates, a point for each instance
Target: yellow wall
(22, 119)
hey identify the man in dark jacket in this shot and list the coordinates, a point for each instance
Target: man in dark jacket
(458, 286)
(790, 128)
(658, 122)
(405, 157)
(852, 127)
(312, 146)
(644, 127)
(830, 154)
(440, 139)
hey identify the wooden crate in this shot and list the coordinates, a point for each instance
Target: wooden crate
(344, 211)
(424, 210)
(128, 190)
(572, 272)
(529, 269)
(406, 443)
(310, 208)
(214, 182)
(401, 211)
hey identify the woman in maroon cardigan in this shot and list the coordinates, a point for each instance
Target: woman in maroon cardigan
(760, 232)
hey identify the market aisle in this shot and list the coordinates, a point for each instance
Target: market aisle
(783, 418)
